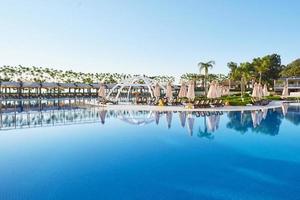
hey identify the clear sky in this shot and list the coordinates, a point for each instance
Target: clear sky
(146, 36)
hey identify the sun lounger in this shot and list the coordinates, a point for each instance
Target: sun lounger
(196, 103)
(206, 104)
(262, 102)
(219, 103)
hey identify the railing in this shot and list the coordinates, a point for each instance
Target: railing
(289, 85)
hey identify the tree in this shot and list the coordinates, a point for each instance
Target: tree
(245, 73)
(205, 66)
(241, 73)
(274, 69)
(267, 68)
(292, 69)
(232, 73)
(261, 65)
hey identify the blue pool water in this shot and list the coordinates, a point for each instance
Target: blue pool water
(76, 153)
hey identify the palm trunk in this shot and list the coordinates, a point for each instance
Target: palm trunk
(242, 87)
(206, 77)
(260, 77)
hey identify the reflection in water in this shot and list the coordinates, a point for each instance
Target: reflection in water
(135, 117)
(157, 116)
(102, 114)
(209, 127)
(212, 122)
(169, 119)
(260, 121)
(190, 120)
(54, 113)
(182, 118)
(293, 114)
(284, 108)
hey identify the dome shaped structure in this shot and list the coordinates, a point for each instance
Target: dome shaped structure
(134, 82)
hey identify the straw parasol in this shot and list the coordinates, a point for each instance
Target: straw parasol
(182, 91)
(191, 90)
(156, 90)
(102, 114)
(285, 91)
(101, 91)
(169, 118)
(169, 93)
(212, 91)
(255, 92)
(219, 90)
(182, 118)
(190, 121)
(225, 91)
(265, 91)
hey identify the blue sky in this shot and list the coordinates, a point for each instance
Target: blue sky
(151, 37)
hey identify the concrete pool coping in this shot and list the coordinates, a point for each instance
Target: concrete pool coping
(271, 105)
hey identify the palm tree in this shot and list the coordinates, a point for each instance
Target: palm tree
(261, 65)
(205, 66)
(241, 73)
(245, 75)
(232, 74)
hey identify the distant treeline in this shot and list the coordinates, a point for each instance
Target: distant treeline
(264, 69)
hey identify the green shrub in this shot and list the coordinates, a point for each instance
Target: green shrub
(273, 98)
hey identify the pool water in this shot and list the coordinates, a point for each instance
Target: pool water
(87, 153)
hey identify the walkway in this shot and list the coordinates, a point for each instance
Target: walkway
(273, 104)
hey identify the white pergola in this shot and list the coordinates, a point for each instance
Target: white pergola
(132, 83)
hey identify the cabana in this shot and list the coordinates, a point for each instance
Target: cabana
(30, 89)
(15, 90)
(10, 88)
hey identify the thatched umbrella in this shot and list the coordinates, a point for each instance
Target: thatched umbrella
(212, 91)
(255, 92)
(101, 91)
(157, 91)
(191, 90)
(182, 91)
(265, 91)
(169, 93)
(285, 91)
(218, 90)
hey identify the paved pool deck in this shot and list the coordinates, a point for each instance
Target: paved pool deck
(271, 105)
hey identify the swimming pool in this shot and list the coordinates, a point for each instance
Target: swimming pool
(89, 153)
